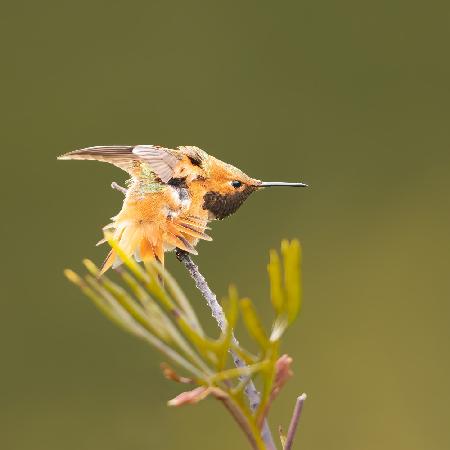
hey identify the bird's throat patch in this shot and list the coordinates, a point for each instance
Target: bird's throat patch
(224, 205)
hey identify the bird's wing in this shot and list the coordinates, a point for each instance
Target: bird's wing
(119, 155)
(161, 160)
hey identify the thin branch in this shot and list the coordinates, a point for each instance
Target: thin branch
(241, 420)
(119, 188)
(294, 422)
(218, 314)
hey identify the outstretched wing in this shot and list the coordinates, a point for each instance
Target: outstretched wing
(161, 160)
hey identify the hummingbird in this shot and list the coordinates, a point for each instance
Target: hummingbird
(171, 196)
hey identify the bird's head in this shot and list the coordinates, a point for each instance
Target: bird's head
(227, 188)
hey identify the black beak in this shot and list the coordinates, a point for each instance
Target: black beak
(281, 183)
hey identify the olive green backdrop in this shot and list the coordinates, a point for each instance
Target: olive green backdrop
(351, 96)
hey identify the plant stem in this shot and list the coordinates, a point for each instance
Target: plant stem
(294, 422)
(218, 314)
(251, 432)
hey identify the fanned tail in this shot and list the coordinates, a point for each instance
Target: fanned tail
(136, 242)
(146, 242)
(184, 232)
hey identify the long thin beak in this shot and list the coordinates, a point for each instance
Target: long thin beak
(281, 183)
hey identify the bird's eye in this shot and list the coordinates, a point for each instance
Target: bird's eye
(236, 184)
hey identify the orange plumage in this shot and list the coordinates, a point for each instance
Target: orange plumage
(171, 197)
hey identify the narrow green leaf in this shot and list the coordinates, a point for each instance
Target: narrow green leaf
(275, 279)
(252, 322)
(268, 378)
(245, 355)
(156, 323)
(238, 372)
(178, 295)
(154, 310)
(104, 303)
(152, 323)
(292, 278)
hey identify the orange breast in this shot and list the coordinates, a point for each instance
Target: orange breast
(149, 208)
(149, 225)
(197, 192)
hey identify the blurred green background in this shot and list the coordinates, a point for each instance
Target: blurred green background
(351, 97)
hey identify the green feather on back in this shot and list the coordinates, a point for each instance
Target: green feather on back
(147, 182)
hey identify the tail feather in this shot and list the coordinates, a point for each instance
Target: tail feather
(192, 231)
(108, 262)
(148, 241)
(146, 249)
(198, 222)
(136, 243)
(179, 241)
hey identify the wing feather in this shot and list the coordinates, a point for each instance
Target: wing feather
(119, 155)
(162, 161)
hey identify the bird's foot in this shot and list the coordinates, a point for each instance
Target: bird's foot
(119, 188)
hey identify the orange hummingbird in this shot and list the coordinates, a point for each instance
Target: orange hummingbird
(171, 197)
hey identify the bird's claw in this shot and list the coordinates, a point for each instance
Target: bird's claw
(119, 188)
